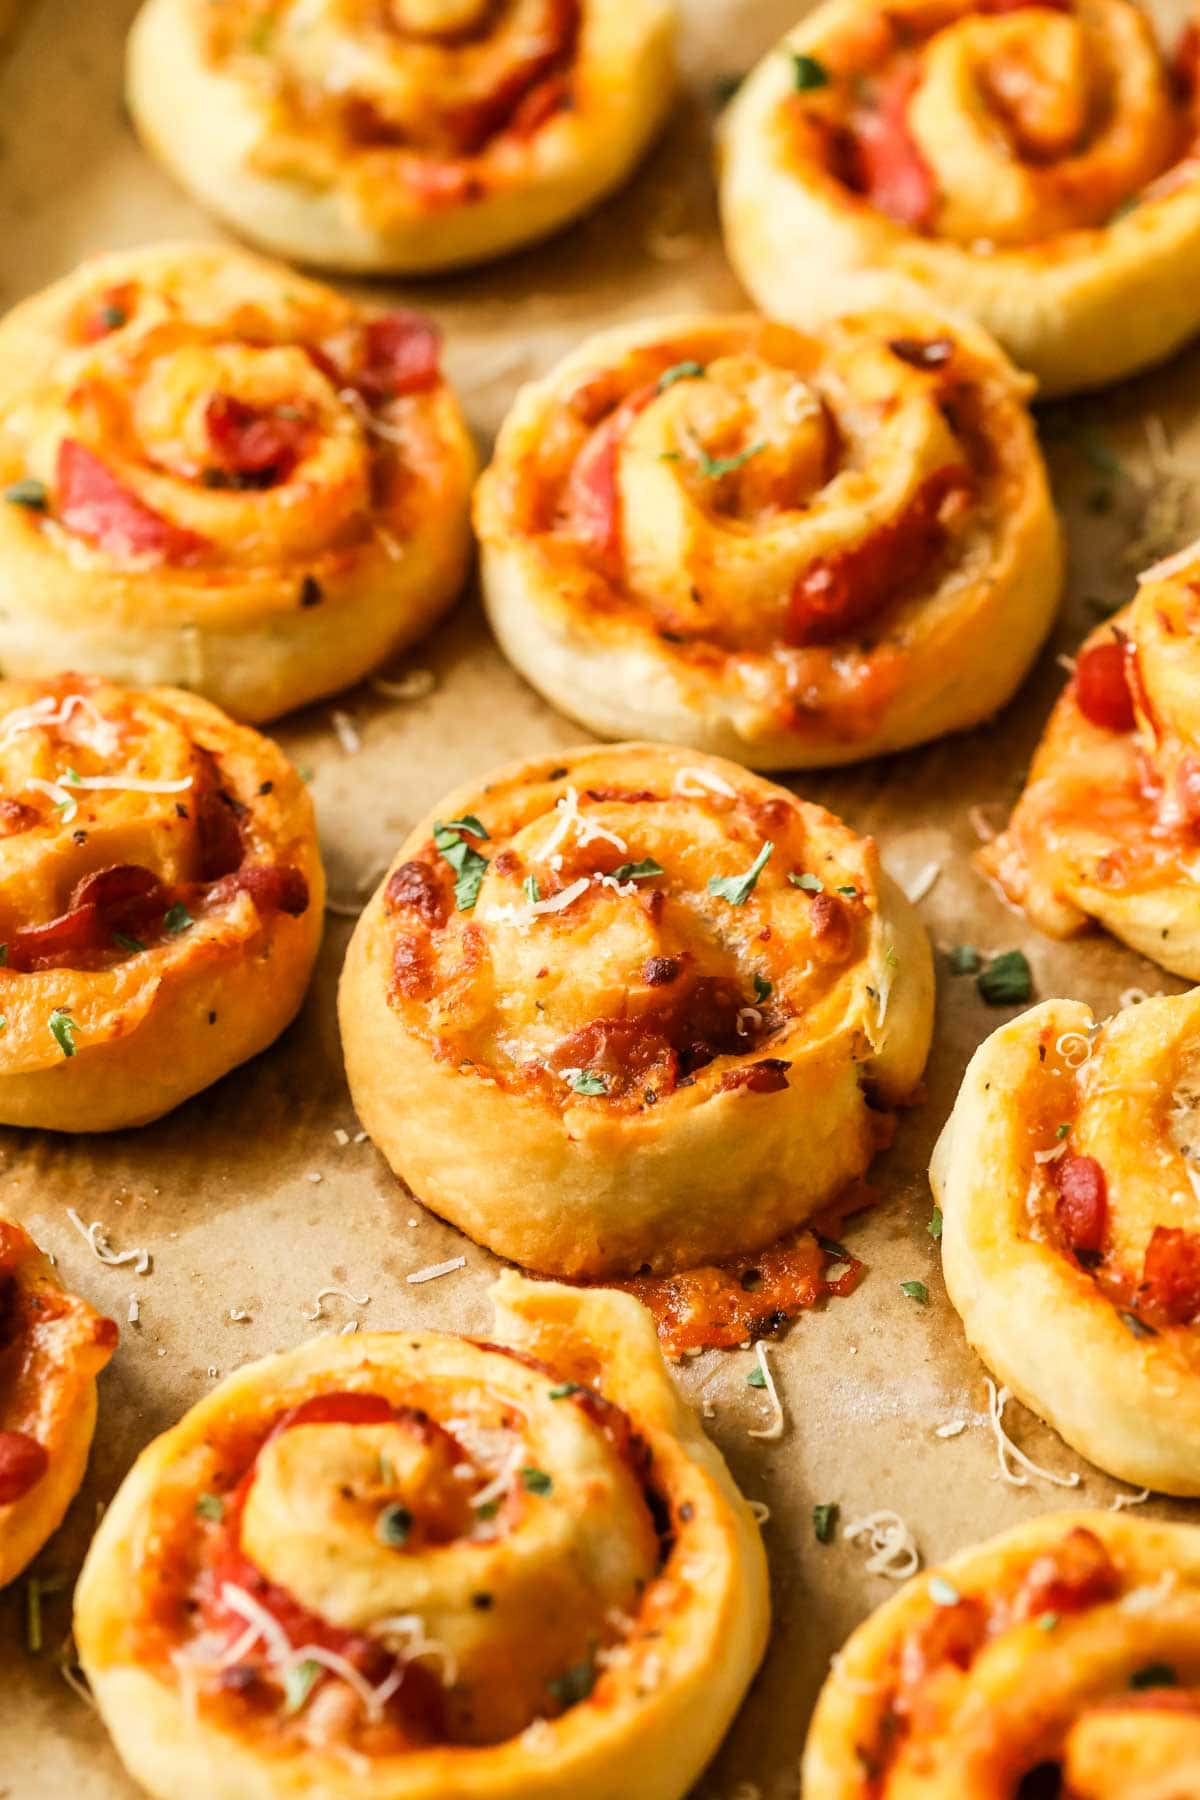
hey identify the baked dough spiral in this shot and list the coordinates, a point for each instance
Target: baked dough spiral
(221, 476)
(1062, 1657)
(1066, 1176)
(399, 135)
(161, 900)
(403, 1566)
(1034, 164)
(627, 1009)
(52, 1347)
(1108, 827)
(787, 549)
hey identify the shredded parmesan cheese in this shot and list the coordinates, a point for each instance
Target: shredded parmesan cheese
(981, 825)
(436, 1269)
(694, 784)
(1075, 1047)
(97, 1240)
(951, 1429)
(523, 916)
(571, 820)
(345, 731)
(1121, 1501)
(1007, 1451)
(414, 1644)
(922, 882)
(775, 1429)
(760, 1510)
(67, 803)
(1051, 1155)
(97, 732)
(339, 1293)
(893, 1550)
(416, 685)
(129, 784)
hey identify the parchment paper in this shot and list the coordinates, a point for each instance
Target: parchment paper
(245, 1198)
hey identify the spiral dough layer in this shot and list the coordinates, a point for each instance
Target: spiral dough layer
(1060, 1658)
(1034, 163)
(405, 1566)
(218, 475)
(793, 550)
(632, 1010)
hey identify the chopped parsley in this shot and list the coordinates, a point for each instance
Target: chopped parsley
(737, 889)
(916, 1290)
(28, 493)
(536, 1481)
(113, 317)
(210, 1506)
(851, 893)
(124, 942)
(533, 892)
(680, 371)
(1047, 1621)
(1154, 1675)
(393, 1525)
(1007, 980)
(934, 1227)
(824, 1519)
(564, 1390)
(298, 1683)
(35, 1588)
(714, 467)
(964, 959)
(586, 1081)
(756, 1379)
(638, 871)
(469, 867)
(1061, 1131)
(831, 1248)
(575, 1684)
(807, 73)
(942, 1592)
(812, 884)
(62, 1030)
(1138, 1328)
(762, 988)
(178, 919)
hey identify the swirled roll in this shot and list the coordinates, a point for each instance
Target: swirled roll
(1061, 1658)
(218, 475)
(406, 1566)
(1033, 164)
(1108, 827)
(791, 550)
(1067, 1176)
(161, 900)
(400, 135)
(52, 1347)
(632, 1010)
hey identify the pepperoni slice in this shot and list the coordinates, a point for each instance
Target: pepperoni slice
(264, 447)
(1076, 1574)
(591, 503)
(402, 351)
(23, 1462)
(895, 177)
(1102, 687)
(271, 887)
(1082, 1205)
(93, 504)
(123, 896)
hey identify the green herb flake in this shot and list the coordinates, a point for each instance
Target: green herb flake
(1047, 1621)
(964, 960)
(28, 493)
(1061, 1132)
(756, 1379)
(469, 867)
(916, 1290)
(488, 1510)
(210, 1506)
(575, 1684)
(851, 893)
(812, 884)
(586, 1081)
(762, 988)
(113, 317)
(638, 871)
(934, 1227)
(831, 1247)
(62, 1029)
(807, 73)
(124, 942)
(298, 1684)
(1138, 1328)
(1154, 1675)
(737, 889)
(824, 1520)
(1007, 979)
(533, 892)
(680, 371)
(712, 468)
(37, 1588)
(177, 919)
(564, 1390)
(942, 1592)
(393, 1525)
(536, 1481)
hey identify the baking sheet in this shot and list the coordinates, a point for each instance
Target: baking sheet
(245, 1198)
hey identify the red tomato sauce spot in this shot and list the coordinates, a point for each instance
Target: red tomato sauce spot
(1102, 688)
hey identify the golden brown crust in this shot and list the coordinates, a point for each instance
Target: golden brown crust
(793, 550)
(161, 900)
(644, 1028)
(1071, 1227)
(1034, 163)
(1107, 827)
(421, 135)
(222, 476)
(52, 1347)
(1069, 1645)
(524, 1567)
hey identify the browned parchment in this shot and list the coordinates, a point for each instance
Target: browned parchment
(246, 1199)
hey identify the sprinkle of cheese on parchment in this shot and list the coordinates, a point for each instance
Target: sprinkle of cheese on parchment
(335, 1293)
(437, 1269)
(775, 1428)
(96, 1238)
(1008, 1453)
(893, 1549)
